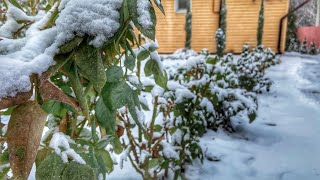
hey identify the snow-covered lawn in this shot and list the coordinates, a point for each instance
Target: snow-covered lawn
(282, 144)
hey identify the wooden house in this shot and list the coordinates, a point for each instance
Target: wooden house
(242, 24)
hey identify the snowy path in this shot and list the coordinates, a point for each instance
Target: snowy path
(284, 142)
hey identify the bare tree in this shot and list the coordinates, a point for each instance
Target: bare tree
(307, 15)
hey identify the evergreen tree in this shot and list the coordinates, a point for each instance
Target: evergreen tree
(291, 45)
(220, 40)
(223, 16)
(291, 31)
(296, 46)
(261, 24)
(188, 26)
(303, 47)
(313, 48)
(221, 32)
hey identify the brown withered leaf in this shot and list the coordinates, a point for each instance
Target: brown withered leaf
(49, 91)
(18, 99)
(24, 134)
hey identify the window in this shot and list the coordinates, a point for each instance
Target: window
(181, 6)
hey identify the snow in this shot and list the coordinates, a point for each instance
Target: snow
(61, 140)
(281, 144)
(144, 18)
(98, 19)
(34, 53)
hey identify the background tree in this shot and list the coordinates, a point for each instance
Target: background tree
(291, 31)
(261, 24)
(221, 32)
(188, 26)
(306, 16)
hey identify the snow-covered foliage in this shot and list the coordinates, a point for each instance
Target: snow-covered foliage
(34, 53)
(70, 59)
(302, 47)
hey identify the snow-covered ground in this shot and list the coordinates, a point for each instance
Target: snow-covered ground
(282, 144)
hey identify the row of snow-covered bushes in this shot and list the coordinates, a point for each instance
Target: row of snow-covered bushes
(201, 92)
(295, 45)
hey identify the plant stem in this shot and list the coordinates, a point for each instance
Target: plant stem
(154, 115)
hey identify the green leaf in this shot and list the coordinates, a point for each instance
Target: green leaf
(4, 157)
(51, 168)
(42, 155)
(162, 80)
(90, 63)
(76, 171)
(148, 32)
(104, 142)
(252, 117)
(104, 161)
(71, 45)
(129, 62)
(115, 95)
(154, 162)
(56, 108)
(16, 4)
(8, 111)
(116, 144)
(159, 5)
(144, 54)
(114, 74)
(91, 160)
(4, 172)
(152, 67)
(105, 117)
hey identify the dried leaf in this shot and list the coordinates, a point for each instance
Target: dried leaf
(49, 91)
(24, 134)
(18, 99)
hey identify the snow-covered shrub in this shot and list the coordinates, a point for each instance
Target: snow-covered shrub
(304, 47)
(180, 54)
(212, 91)
(72, 60)
(312, 49)
(251, 66)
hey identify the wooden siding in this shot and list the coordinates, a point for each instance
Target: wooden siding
(170, 28)
(242, 23)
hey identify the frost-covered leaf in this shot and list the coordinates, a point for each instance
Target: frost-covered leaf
(42, 155)
(129, 62)
(105, 162)
(90, 63)
(114, 74)
(76, 171)
(24, 133)
(115, 95)
(71, 45)
(51, 168)
(143, 16)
